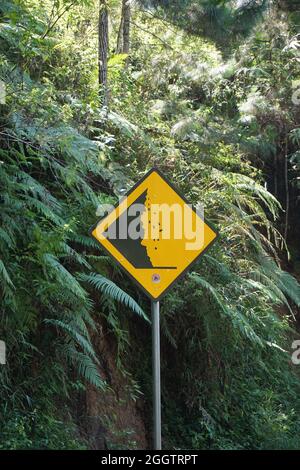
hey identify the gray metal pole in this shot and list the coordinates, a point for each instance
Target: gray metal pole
(156, 376)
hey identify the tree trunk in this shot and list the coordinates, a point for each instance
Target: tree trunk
(123, 41)
(126, 14)
(287, 190)
(119, 48)
(103, 50)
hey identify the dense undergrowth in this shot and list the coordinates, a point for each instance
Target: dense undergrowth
(220, 129)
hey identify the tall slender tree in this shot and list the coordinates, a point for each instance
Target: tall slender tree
(120, 36)
(103, 50)
(126, 7)
(123, 41)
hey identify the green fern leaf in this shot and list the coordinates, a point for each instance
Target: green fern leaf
(110, 289)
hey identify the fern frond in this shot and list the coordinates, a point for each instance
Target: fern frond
(6, 238)
(73, 254)
(84, 365)
(109, 288)
(236, 317)
(5, 276)
(63, 275)
(44, 210)
(73, 333)
(87, 242)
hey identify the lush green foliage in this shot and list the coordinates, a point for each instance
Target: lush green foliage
(219, 130)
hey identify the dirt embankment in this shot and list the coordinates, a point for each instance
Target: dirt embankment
(114, 417)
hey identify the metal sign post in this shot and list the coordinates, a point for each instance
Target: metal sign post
(156, 376)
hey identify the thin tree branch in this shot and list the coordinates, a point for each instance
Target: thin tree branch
(166, 22)
(60, 15)
(167, 45)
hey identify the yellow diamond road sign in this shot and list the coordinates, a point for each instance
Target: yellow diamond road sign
(154, 234)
